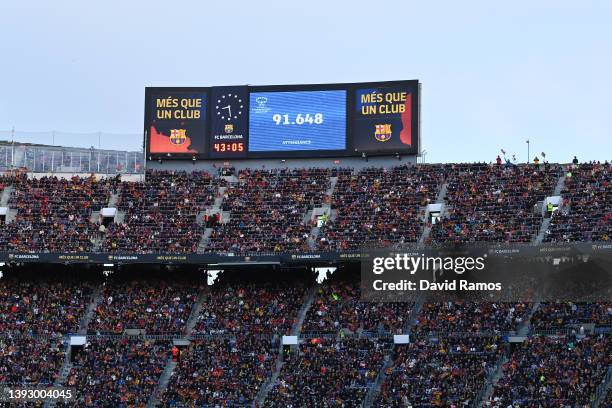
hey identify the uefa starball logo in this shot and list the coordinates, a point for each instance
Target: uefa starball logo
(261, 105)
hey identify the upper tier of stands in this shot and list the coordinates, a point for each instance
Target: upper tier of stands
(378, 206)
(270, 210)
(267, 210)
(586, 214)
(493, 203)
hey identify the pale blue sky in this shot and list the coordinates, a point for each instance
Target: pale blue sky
(493, 75)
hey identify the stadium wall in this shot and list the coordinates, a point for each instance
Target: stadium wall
(211, 165)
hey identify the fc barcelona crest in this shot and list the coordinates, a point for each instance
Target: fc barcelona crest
(178, 136)
(383, 132)
(229, 128)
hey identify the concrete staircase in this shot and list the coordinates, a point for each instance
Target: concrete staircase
(326, 208)
(267, 386)
(439, 200)
(6, 195)
(162, 383)
(560, 185)
(195, 312)
(602, 389)
(214, 209)
(164, 378)
(11, 215)
(308, 300)
(96, 299)
(525, 328)
(112, 201)
(374, 389)
(63, 376)
(487, 390)
(539, 238)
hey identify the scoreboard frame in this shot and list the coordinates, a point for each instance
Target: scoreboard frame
(349, 150)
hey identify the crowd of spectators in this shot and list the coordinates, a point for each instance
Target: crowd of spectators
(471, 317)
(42, 307)
(553, 372)
(267, 210)
(30, 360)
(116, 372)
(586, 209)
(607, 402)
(156, 306)
(380, 206)
(326, 373)
(493, 203)
(344, 340)
(221, 372)
(161, 213)
(54, 214)
(258, 308)
(449, 372)
(555, 315)
(337, 308)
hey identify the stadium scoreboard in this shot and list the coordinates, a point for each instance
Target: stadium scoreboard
(283, 121)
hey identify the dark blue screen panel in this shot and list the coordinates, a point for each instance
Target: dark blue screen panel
(297, 121)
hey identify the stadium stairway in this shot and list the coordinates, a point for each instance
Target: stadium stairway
(439, 200)
(487, 390)
(601, 392)
(162, 383)
(6, 195)
(112, 201)
(546, 220)
(327, 209)
(195, 313)
(216, 208)
(308, 300)
(266, 387)
(63, 374)
(96, 299)
(164, 378)
(374, 389)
